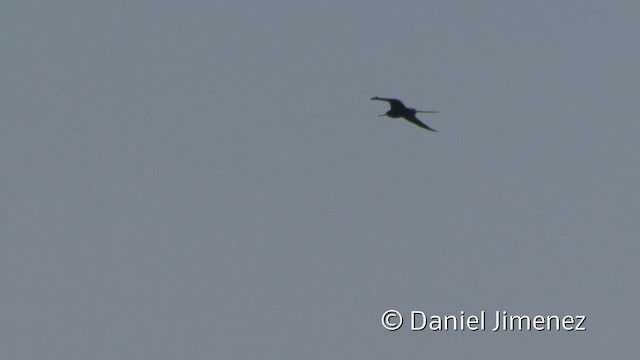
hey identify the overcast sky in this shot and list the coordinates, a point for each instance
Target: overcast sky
(209, 179)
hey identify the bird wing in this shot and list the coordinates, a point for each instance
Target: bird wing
(413, 119)
(395, 103)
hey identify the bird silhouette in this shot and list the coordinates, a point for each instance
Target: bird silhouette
(398, 110)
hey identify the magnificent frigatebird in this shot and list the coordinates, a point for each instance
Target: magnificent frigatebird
(398, 110)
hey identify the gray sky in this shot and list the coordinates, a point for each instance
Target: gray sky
(209, 179)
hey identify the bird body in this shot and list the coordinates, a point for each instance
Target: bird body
(399, 110)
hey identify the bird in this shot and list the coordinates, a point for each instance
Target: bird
(398, 110)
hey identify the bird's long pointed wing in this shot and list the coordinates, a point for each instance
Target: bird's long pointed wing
(413, 119)
(395, 103)
(427, 112)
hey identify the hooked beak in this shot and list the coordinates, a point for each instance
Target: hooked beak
(382, 115)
